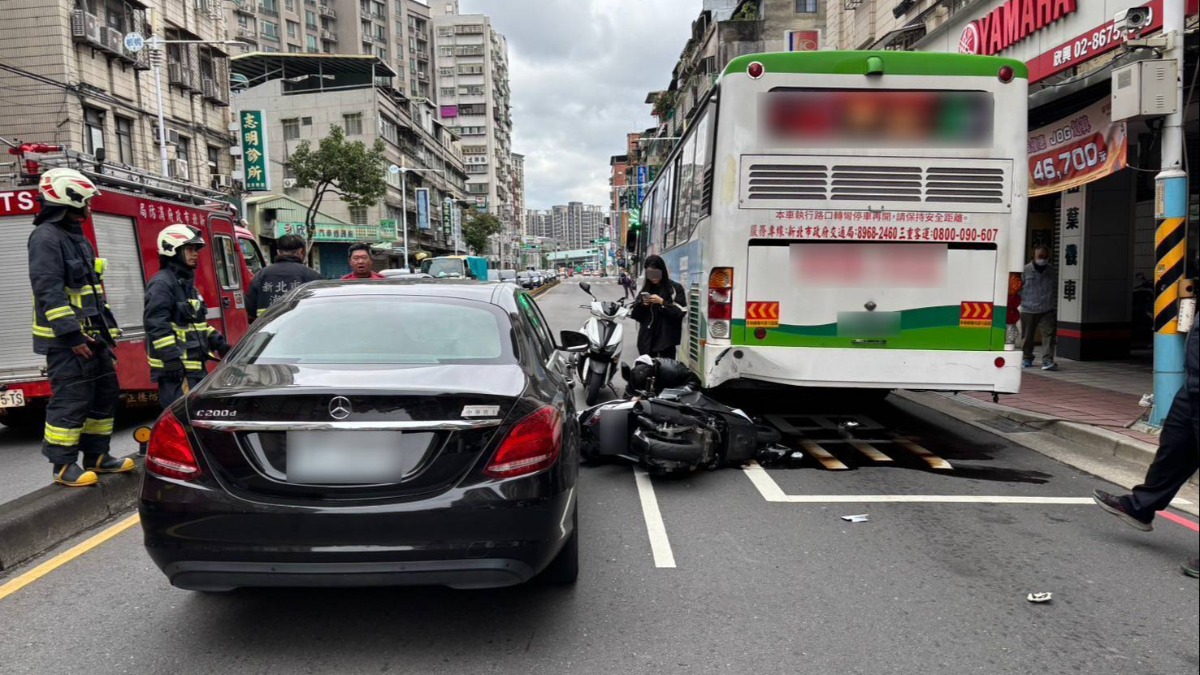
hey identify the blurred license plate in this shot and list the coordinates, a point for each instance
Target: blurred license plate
(12, 399)
(353, 457)
(868, 324)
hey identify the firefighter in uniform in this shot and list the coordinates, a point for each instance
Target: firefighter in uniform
(178, 337)
(74, 328)
(279, 278)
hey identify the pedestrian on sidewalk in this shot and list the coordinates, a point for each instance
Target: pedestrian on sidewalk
(360, 263)
(1177, 459)
(179, 338)
(1039, 308)
(280, 277)
(74, 328)
(626, 285)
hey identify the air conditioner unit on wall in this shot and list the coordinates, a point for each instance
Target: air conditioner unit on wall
(172, 136)
(221, 182)
(289, 183)
(114, 41)
(182, 170)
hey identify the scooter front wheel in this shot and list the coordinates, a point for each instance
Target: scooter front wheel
(593, 383)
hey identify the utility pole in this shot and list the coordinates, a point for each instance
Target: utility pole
(1170, 240)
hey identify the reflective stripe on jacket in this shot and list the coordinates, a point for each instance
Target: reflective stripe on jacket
(176, 323)
(68, 296)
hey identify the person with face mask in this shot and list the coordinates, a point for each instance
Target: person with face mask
(1039, 308)
(178, 337)
(659, 312)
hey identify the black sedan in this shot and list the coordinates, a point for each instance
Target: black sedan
(373, 433)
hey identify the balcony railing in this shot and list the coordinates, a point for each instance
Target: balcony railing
(326, 10)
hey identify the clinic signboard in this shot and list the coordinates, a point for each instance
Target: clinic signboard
(256, 177)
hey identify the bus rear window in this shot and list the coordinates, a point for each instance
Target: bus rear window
(877, 119)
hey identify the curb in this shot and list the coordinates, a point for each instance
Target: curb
(542, 289)
(1096, 442)
(46, 517)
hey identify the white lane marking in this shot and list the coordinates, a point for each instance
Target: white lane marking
(771, 492)
(660, 545)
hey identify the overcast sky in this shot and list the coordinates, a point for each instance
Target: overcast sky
(580, 72)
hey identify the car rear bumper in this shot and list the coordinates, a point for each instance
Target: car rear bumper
(500, 535)
(208, 575)
(944, 370)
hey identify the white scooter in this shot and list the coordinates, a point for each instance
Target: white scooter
(604, 332)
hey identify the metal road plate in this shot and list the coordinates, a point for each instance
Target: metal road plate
(12, 399)
(353, 457)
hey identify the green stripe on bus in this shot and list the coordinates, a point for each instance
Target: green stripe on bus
(894, 63)
(923, 328)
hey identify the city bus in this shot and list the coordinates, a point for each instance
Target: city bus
(851, 220)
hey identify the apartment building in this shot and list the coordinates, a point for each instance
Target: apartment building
(67, 78)
(395, 31)
(302, 101)
(473, 96)
(518, 189)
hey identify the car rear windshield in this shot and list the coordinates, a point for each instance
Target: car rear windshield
(381, 329)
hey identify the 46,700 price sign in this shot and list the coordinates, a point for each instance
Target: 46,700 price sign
(1071, 161)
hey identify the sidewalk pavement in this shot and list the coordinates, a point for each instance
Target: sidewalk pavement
(1105, 395)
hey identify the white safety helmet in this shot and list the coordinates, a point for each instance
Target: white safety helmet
(66, 187)
(174, 237)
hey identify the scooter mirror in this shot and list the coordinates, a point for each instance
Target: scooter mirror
(587, 288)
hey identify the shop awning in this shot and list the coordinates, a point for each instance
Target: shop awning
(288, 209)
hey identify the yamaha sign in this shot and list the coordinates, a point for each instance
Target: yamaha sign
(1011, 23)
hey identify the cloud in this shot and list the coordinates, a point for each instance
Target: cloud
(580, 72)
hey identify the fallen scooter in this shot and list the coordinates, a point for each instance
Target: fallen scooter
(671, 429)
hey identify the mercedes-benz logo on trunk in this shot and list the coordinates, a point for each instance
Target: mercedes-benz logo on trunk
(339, 408)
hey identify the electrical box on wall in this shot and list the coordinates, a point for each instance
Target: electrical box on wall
(1144, 89)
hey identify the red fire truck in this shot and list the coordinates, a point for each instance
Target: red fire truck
(126, 219)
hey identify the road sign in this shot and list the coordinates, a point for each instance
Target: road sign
(134, 42)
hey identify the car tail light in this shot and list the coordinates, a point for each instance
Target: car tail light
(1015, 283)
(720, 302)
(170, 454)
(533, 444)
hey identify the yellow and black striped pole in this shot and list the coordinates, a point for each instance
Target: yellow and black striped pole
(1170, 249)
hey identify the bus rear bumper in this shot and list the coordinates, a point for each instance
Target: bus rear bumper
(993, 371)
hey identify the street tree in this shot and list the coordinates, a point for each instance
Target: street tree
(348, 169)
(477, 228)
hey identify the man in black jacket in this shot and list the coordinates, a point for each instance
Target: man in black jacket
(178, 337)
(1177, 459)
(280, 277)
(74, 328)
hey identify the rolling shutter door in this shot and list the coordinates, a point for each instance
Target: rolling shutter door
(116, 242)
(16, 299)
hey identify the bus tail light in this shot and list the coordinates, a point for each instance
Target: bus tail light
(720, 302)
(755, 70)
(1015, 283)
(1006, 74)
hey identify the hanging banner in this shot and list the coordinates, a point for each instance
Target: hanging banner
(254, 152)
(447, 218)
(643, 178)
(1077, 150)
(1070, 256)
(457, 225)
(422, 208)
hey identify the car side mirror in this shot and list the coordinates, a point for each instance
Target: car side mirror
(573, 341)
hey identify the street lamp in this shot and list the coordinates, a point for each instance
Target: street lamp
(403, 171)
(155, 45)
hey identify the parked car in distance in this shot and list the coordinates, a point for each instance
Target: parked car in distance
(404, 274)
(525, 280)
(317, 454)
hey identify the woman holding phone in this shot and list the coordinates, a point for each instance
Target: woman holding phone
(659, 311)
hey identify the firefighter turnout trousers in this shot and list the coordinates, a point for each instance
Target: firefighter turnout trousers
(79, 417)
(170, 390)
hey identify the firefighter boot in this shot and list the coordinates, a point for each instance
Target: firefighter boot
(107, 464)
(73, 476)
